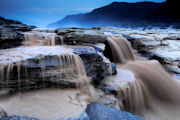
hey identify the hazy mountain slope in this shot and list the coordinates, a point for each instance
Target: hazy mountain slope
(125, 14)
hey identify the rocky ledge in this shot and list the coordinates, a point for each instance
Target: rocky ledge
(10, 33)
(159, 44)
(28, 68)
(96, 64)
(81, 36)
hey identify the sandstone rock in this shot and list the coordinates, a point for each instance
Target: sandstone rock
(39, 67)
(95, 63)
(160, 44)
(34, 68)
(10, 33)
(98, 111)
(9, 38)
(81, 35)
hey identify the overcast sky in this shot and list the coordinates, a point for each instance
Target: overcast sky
(43, 12)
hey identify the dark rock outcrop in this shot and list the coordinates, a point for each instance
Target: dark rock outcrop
(161, 44)
(127, 14)
(36, 73)
(9, 38)
(98, 111)
(80, 36)
(96, 64)
(10, 33)
(45, 70)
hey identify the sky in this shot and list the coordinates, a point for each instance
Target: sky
(43, 12)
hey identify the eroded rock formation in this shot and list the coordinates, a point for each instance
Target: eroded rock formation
(10, 33)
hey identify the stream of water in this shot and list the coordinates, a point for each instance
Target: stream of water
(143, 87)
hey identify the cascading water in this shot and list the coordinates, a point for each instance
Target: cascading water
(39, 38)
(153, 92)
(71, 68)
(150, 92)
(120, 49)
(27, 69)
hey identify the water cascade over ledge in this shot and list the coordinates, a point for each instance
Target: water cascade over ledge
(36, 70)
(39, 38)
(152, 88)
(36, 75)
(52, 68)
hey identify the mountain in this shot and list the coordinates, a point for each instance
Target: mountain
(126, 14)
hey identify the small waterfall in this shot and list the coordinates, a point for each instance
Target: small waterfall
(152, 87)
(70, 68)
(39, 38)
(152, 82)
(120, 49)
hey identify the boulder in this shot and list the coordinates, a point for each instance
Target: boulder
(97, 111)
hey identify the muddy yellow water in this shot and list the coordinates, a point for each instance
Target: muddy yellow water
(48, 104)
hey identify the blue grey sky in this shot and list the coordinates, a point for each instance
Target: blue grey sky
(43, 12)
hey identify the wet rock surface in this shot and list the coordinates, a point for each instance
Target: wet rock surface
(40, 66)
(9, 38)
(38, 69)
(160, 44)
(81, 36)
(22, 72)
(95, 63)
(10, 33)
(97, 111)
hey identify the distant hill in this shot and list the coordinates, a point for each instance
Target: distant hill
(126, 14)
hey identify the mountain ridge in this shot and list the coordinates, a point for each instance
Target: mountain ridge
(124, 14)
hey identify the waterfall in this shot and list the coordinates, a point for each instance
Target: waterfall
(152, 88)
(120, 49)
(70, 68)
(39, 38)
